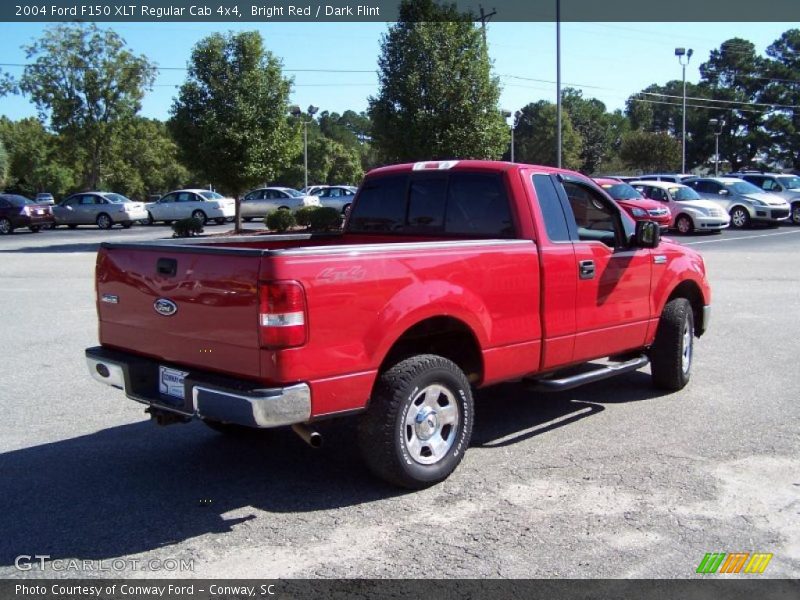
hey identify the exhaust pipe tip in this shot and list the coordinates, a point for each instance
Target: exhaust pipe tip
(308, 435)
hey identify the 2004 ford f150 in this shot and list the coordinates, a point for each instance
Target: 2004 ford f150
(448, 276)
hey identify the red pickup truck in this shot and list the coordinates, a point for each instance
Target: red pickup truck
(448, 276)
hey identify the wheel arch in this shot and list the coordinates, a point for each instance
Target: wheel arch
(690, 290)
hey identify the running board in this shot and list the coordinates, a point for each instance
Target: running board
(567, 383)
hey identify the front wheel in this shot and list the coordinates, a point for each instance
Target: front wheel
(684, 225)
(220, 221)
(419, 422)
(672, 352)
(35, 228)
(740, 218)
(796, 213)
(6, 227)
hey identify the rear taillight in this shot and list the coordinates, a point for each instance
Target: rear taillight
(282, 314)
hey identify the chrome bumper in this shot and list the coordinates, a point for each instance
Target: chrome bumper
(206, 395)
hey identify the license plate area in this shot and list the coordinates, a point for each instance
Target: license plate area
(171, 385)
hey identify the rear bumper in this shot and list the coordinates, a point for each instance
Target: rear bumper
(206, 395)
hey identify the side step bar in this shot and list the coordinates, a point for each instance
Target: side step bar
(604, 372)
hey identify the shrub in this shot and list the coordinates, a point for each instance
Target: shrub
(303, 215)
(188, 227)
(280, 220)
(326, 219)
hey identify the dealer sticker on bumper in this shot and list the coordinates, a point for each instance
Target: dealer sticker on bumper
(170, 381)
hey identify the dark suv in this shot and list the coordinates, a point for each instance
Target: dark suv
(19, 211)
(786, 186)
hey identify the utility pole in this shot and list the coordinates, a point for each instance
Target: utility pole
(485, 18)
(680, 53)
(558, 83)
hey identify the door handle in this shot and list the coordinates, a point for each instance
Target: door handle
(586, 269)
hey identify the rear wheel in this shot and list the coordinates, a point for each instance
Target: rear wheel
(35, 228)
(419, 422)
(200, 216)
(6, 227)
(220, 220)
(104, 221)
(684, 225)
(127, 224)
(740, 218)
(672, 352)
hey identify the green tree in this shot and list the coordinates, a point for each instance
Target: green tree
(85, 82)
(35, 158)
(535, 137)
(229, 119)
(145, 161)
(591, 121)
(437, 96)
(782, 86)
(650, 152)
(3, 164)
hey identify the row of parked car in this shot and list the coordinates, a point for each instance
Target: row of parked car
(106, 209)
(689, 203)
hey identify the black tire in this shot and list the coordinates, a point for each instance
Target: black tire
(72, 226)
(220, 221)
(104, 221)
(383, 432)
(671, 362)
(35, 228)
(794, 215)
(127, 224)
(6, 227)
(346, 209)
(740, 218)
(150, 220)
(200, 216)
(684, 225)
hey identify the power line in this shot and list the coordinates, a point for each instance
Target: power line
(744, 102)
(717, 108)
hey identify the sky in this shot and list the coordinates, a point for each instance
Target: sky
(333, 64)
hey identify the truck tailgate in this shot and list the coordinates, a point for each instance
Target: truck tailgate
(197, 307)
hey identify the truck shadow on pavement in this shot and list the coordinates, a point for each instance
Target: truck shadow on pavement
(138, 487)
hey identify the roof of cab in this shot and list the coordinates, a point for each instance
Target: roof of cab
(459, 165)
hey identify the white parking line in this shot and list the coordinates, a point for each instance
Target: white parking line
(744, 237)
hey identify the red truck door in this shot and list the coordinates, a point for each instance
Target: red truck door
(612, 301)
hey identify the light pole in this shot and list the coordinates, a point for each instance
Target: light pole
(312, 110)
(558, 83)
(516, 115)
(717, 125)
(680, 53)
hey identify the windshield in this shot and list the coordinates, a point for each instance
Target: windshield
(790, 182)
(117, 198)
(208, 195)
(683, 194)
(742, 187)
(621, 191)
(18, 200)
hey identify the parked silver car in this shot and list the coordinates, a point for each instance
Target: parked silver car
(780, 184)
(203, 205)
(339, 197)
(45, 198)
(104, 209)
(744, 202)
(689, 211)
(258, 203)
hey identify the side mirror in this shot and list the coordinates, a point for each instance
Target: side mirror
(648, 234)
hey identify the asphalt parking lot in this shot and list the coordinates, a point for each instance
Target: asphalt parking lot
(614, 479)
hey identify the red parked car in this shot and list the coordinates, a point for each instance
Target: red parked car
(18, 211)
(449, 276)
(636, 205)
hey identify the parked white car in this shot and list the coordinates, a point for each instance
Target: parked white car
(689, 211)
(203, 205)
(104, 209)
(258, 203)
(339, 197)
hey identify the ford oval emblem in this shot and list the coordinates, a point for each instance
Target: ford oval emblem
(165, 307)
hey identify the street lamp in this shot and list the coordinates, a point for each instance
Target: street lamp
(717, 125)
(680, 53)
(295, 111)
(558, 83)
(507, 114)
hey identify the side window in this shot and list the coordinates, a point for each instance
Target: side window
(73, 201)
(596, 220)
(185, 197)
(477, 205)
(655, 193)
(426, 204)
(87, 199)
(381, 205)
(167, 199)
(554, 220)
